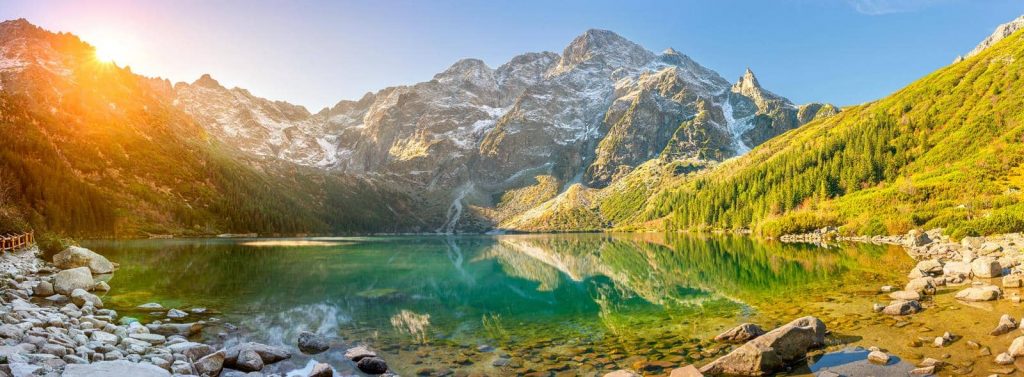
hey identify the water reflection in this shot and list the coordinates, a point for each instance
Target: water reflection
(483, 289)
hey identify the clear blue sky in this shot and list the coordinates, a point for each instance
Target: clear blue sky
(316, 53)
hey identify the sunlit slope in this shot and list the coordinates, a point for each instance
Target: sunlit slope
(89, 148)
(945, 151)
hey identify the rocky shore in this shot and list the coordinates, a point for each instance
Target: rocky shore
(53, 323)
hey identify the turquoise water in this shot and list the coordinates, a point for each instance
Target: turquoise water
(552, 303)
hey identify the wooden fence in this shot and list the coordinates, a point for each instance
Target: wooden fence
(11, 242)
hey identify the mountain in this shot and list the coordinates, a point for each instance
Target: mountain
(474, 139)
(944, 151)
(92, 149)
(1001, 32)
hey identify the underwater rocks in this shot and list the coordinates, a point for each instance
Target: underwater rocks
(772, 351)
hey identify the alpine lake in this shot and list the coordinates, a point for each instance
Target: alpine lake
(539, 305)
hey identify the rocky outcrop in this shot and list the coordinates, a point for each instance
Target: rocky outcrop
(1001, 32)
(772, 351)
(740, 334)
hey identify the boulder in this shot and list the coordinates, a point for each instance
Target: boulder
(917, 238)
(902, 307)
(905, 295)
(740, 334)
(772, 351)
(1006, 324)
(979, 293)
(80, 297)
(922, 285)
(168, 329)
(191, 350)
(114, 368)
(957, 269)
(68, 281)
(268, 355)
(359, 352)
(1004, 359)
(972, 242)
(372, 365)
(930, 267)
(176, 314)
(210, 365)
(986, 267)
(878, 357)
(311, 343)
(43, 289)
(74, 257)
(321, 370)
(1016, 347)
(248, 361)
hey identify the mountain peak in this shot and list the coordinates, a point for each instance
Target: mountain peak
(467, 70)
(604, 46)
(1002, 31)
(747, 81)
(207, 81)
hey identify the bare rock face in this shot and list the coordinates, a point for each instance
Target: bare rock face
(591, 114)
(771, 351)
(1002, 31)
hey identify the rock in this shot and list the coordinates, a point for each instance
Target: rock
(772, 351)
(923, 371)
(359, 352)
(210, 365)
(878, 357)
(905, 295)
(67, 281)
(979, 293)
(972, 242)
(957, 269)
(168, 329)
(740, 334)
(930, 267)
(917, 238)
(181, 367)
(687, 371)
(986, 267)
(311, 343)
(268, 355)
(80, 297)
(1006, 324)
(149, 338)
(191, 350)
(1016, 347)
(941, 341)
(114, 368)
(885, 289)
(43, 289)
(176, 314)
(75, 257)
(104, 337)
(152, 306)
(321, 370)
(372, 365)
(1013, 281)
(248, 361)
(622, 373)
(101, 286)
(1004, 359)
(901, 307)
(923, 285)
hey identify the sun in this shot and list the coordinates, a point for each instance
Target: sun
(104, 55)
(110, 48)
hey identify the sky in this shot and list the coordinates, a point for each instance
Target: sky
(316, 53)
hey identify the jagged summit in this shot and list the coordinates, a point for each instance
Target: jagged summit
(1002, 31)
(747, 82)
(467, 70)
(604, 47)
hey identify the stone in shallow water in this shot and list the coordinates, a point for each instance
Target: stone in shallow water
(1006, 324)
(372, 365)
(905, 295)
(68, 281)
(311, 343)
(878, 357)
(210, 365)
(979, 293)
(358, 352)
(1004, 359)
(901, 307)
(740, 334)
(772, 351)
(114, 368)
(150, 306)
(74, 257)
(175, 314)
(622, 373)
(321, 370)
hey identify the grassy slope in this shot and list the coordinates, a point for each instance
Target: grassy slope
(945, 151)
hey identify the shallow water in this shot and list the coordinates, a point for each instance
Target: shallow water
(554, 304)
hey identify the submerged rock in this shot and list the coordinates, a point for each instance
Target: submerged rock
(321, 370)
(902, 307)
(358, 352)
(772, 351)
(622, 373)
(740, 334)
(1006, 324)
(74, 257)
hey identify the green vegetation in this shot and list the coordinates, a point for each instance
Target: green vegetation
(945, 151)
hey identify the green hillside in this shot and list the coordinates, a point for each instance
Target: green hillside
(946, 151)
